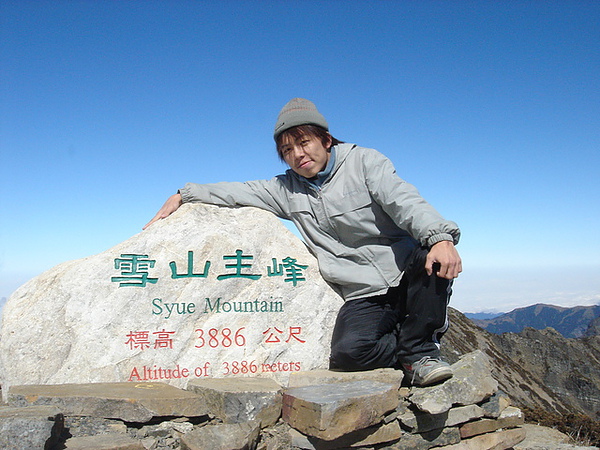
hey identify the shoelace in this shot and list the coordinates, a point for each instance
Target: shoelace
(420, 365)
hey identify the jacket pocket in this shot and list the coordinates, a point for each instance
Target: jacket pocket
(353, 201)
(300, 206)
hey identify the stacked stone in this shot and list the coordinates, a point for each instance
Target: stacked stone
(318, 410)
(466, 412)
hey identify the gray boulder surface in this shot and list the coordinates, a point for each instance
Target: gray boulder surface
(207, 292)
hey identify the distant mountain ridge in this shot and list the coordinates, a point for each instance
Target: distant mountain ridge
(575, 322)
(482, 315)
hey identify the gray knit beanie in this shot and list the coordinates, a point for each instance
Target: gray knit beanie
(298, 111)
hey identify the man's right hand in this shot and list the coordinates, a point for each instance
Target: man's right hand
(171, 205)
(444, 253)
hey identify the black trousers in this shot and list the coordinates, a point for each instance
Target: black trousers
(398, 327)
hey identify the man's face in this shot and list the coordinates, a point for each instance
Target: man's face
(306, 155)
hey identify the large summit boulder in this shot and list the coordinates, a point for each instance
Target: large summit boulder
(207, 292)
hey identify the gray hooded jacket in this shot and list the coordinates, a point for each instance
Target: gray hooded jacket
(361, 224)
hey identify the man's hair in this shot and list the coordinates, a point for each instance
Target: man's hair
(304, 130)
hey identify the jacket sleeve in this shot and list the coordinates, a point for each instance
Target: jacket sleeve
(263, 194)
(403, 203)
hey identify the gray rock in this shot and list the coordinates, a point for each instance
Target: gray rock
(419, 422)
(545, 438)
(207, 292)
(331, 410)
(366, 437)
(168, 428)
(278, 437)
(471, 384)
(298, 440)
(25, 428)
(324, 376)
(238, 400)
(402, 408)
(126, 401)
(510, 418)
(238, 436)
(500, 440)
(427, 440)
(111, 441)
(78, 426)
(494, 405)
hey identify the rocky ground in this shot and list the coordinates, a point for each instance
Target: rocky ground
(539, 369)
(319, 410)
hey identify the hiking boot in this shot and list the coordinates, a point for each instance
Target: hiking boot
(427, 371)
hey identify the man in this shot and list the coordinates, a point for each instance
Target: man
(378, 243)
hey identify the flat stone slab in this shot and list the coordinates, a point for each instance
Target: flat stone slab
(418, 422)
(31, 411)
(367, 437)
(112, 441)
(237, 400)
(131, 402)
(445, 438)
(510, 418)
(505, 439)
(235, 436)
(324, 376)
(331, 410)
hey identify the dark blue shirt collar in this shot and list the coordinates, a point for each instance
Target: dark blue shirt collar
(320, 178)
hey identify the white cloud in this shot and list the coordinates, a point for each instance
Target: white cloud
(502, 290)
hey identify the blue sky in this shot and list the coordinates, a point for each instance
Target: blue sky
(491, 108)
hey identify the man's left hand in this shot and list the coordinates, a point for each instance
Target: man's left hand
(444, 253)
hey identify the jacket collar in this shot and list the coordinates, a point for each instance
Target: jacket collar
(339, 153)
